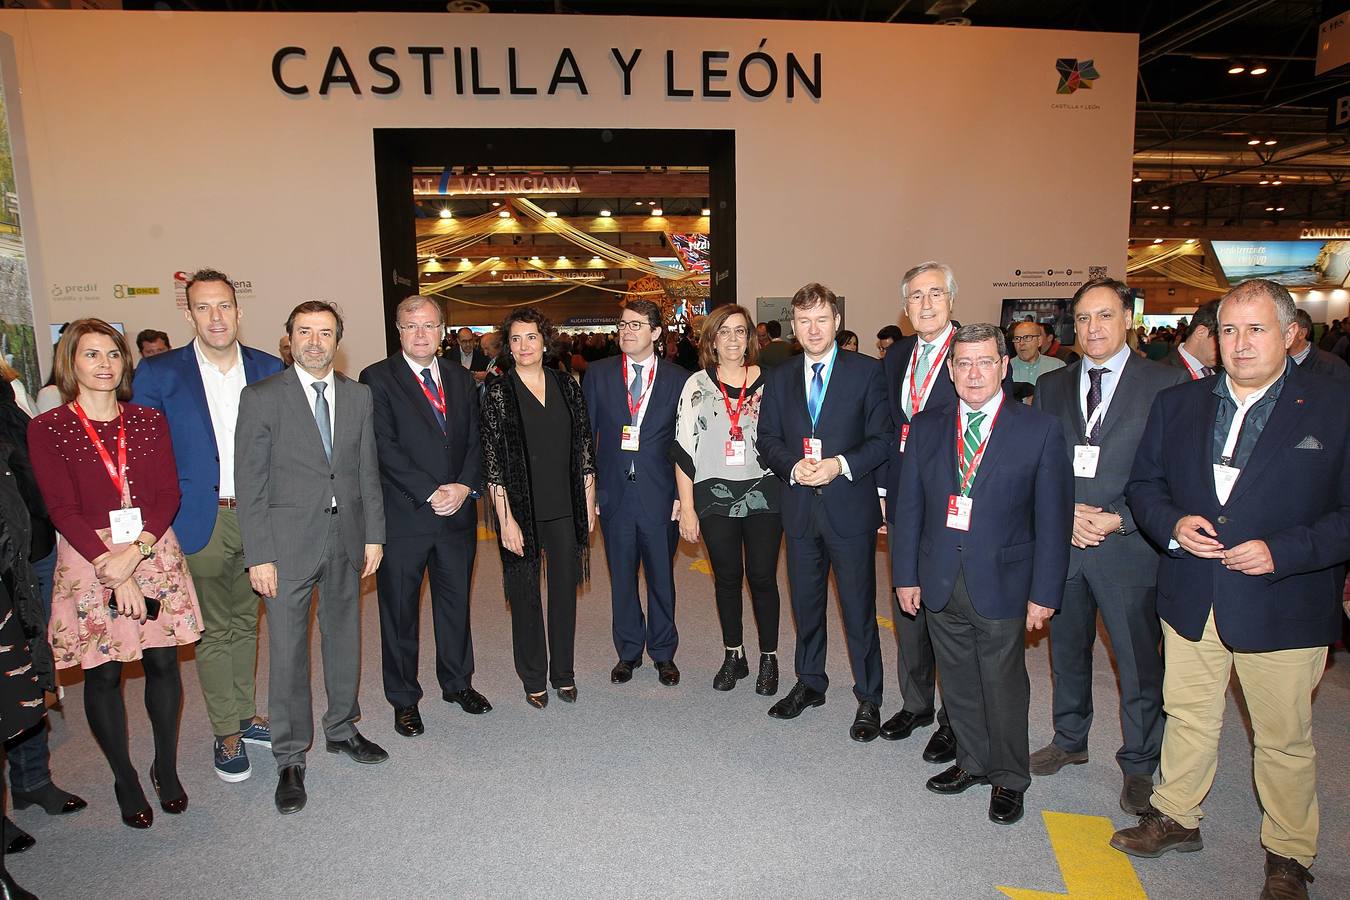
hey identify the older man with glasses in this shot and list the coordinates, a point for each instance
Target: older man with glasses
(1030, 363)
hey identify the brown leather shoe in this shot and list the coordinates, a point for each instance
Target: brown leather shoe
(1051, 758)
(1155, 835)
(1286, 879)
(1135, 794)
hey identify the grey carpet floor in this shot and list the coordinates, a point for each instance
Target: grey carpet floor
(636, 791)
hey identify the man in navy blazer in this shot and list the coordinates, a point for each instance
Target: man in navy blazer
(823, 429)
(981, 537)
(426, 432)
(1245, 479)
(632, 399)
(197, 387)
(917, 379)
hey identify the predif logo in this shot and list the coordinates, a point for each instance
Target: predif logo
(1075, 74)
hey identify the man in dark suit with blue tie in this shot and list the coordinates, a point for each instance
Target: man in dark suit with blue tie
(198, 387)
(1245, 479)
(824, 430)
(982, 526)
(632, 399)
(426, 432)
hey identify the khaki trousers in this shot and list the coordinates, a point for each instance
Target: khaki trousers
(1278, 686)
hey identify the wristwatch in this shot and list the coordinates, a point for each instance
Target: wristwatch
(147, 550)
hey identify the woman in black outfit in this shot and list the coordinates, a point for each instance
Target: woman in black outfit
(539, 463)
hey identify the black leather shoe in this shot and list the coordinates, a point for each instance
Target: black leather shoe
(173, 805)
(16, 839)
(10, 890)
(799, 698)
(1005, 806)
(469, 700)
(766, 685)
(734, 668)
(941, 746)
(290, 796)
(668, 673)
(902, 724)
(867, 723)
(136, 812)
(622, 673)
(568, 694)
(408, 721)
(359, 749)
(954, 780)
(538, 701)
(53, 800)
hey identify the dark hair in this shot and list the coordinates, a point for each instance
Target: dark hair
(1208, 316)
(707, 354)
(149, 336)
(815, 293)
(1122, 292)
(63, 363)
(843, 337)
(1304, 321)
(315, 306)
(649, 309)
(890, 332)
(532, 316)
(204, 275)
(774, 328)
(1049, 328)
(980, 332)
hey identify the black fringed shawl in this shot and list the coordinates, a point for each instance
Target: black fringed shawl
(506, 463)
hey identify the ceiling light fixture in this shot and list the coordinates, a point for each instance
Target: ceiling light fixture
(1235, 67)
(595, 259)
(1190, 240)
(658, 211)
(1254, 142)
(1155, 206)
(1167, 206)
(1157, 240)
(1258, 69)
(706, 212)
(1136, 179)
(553, 214)
(1271, 142)
(464, 259)
(496, 203)
(445, 213)
(604, 213)
(534, 259)
(504, 214)
(1277, 181)
(1264, 181)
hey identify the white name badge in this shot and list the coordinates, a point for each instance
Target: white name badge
(1085, 460)
(735, 453)
(958, 512)
(811, 448)
(1224, 479)
(125, 524)
(904, 436)
(629, 439)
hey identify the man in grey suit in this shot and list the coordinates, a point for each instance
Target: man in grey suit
(1102, 402)
(311, 514)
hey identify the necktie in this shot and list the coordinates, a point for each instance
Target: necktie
(635, 392)
(1206, 371)
(323, 418)
(431, 387)
(920, 374)
(970, 442)
(1094, 399)
(816, 395)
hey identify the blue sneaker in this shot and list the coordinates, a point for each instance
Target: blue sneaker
(232, 765)
(258, 733)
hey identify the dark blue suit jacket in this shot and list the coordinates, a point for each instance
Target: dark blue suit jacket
(1017, 548)
(853, 422)
(607, 404)
(943, 396)
(172, 382)
(1294, 494)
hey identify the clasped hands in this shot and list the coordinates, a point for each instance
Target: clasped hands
(448, 498)
(115, 569)
(909, 599)
(816, 472)
(1092, 525)
(1199, 538)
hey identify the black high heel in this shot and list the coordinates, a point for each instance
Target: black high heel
(11, 891)
(538, 701)
(568, 694)
(143, 817)
(172, 806)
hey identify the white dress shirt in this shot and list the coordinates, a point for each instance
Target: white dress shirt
(1196, 366)
(935, 360)
(417, 370)
(222, 403)
(1109, 381)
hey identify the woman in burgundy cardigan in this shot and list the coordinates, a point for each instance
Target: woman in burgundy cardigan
(122, 589)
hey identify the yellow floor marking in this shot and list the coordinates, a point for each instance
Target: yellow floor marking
(1092, 870)
(701, 565)
(486, 534)
(885, 623)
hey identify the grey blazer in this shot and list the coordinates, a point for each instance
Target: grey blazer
(284, 484)
(1129, 558)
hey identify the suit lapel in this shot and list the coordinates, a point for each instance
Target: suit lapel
(252, 365)
(1283, 418)
(192, 377)
(1204, 439)
(344, 429)
(1004, 423)
(1066, 407)
(299, 406)
(411, 386)
(1123, 396)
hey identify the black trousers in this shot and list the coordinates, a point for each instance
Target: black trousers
(537, 655)
(745, 547)
(986, 689)
(446, 557)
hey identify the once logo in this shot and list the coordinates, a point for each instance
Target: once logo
(1075, 74)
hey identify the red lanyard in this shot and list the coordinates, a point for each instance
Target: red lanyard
(119, 474)
(651, 374)
(969, 477)
(917, 393)
(1195, 376)
(735, 415)
(437, 399)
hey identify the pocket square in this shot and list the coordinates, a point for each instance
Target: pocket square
(1309, 443)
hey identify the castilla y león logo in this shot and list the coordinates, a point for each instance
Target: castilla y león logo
(1075, 74)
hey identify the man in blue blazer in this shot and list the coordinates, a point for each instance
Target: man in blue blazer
(197, 387)
(982, 527)
(1245, 479)
(824, 430)
(632, 399)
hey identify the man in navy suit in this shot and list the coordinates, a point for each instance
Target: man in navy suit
(632, 399)
(1245, 480)
(823, 429)
(982, 527)
(198, 387)
(426, 432)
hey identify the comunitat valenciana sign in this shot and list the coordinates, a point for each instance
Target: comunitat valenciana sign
(488, 71)
(1324, 234)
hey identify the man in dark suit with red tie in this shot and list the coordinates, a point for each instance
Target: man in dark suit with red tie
(426, 431)
(1199, 353)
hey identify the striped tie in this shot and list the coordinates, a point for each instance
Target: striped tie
(920, 376)
(970, 441)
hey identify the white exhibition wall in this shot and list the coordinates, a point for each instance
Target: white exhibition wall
(159, 142)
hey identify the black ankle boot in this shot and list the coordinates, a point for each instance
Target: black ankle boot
(767, 683)
(734, 668)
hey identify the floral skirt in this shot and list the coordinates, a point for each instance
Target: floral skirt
(83, 631)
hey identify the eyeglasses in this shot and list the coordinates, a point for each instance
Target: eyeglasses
(984, 364)
(1026, 339)
(414, 327)
(933, 294)
(739, 331)
(631, 325)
